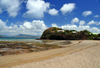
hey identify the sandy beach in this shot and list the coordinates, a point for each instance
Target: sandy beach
(49, 33)
(79, 54)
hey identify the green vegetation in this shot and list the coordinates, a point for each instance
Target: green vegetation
(51, 33)
(99, 35)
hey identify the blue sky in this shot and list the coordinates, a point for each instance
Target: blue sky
(34, 16)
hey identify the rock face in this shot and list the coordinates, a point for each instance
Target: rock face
(51, 33)
(54, 33)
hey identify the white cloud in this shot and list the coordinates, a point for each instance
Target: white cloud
(22, 27)
(36, 8)
(53, 12)
(75, 27)
(86, 13)
(96, 16)
(2, 24)
(11, 6)
(82, 22)
(92, 22)
(67, 8)
(96, 30)
(99, 23)
(54, 25)
(27, 25)
(36, 27)
(70, 27)
(80, 28)
(75, 20)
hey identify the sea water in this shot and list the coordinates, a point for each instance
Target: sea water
(20, 39)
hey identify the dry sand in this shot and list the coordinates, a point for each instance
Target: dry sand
(82, 55)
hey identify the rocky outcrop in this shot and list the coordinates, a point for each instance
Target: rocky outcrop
(53, 34)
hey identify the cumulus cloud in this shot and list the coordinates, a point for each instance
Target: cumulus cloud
(27, 25)
(67, 8)
(11, 6)
(39, 25)
(70, 27)
(36, 8)
(75, 20)
(82, 22)
(36, 27)
(53, 12)
(96, 16)
(54, 25)
(86, 13)
(2, 24)
(92, 22)
(99, 23)
(79, 28)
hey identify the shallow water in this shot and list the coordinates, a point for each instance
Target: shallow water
(21, 39)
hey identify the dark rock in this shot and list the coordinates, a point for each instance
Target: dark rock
(3, 45)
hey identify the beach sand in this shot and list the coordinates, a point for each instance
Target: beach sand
(85, 54)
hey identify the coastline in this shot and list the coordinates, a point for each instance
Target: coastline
(30, 57)
(85, 57)
(23, 59)
(20, 47)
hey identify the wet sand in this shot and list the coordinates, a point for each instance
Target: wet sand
(83, 54)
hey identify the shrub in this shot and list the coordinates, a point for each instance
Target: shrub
(99, 35)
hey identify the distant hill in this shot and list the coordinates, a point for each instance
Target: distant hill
(25, 36)
(1, 36)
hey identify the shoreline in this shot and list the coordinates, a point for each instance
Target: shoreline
(85, 57)
(76, 46)
(20, 47)
(52, 53)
